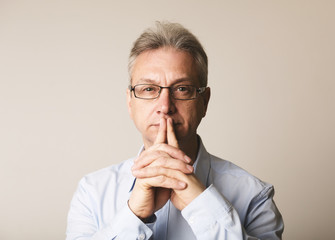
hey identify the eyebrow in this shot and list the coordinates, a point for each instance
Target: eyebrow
(151, 81)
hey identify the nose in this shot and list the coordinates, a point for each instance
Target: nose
(165, 104)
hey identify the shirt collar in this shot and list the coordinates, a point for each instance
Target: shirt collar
(202, 164)
(133, 182)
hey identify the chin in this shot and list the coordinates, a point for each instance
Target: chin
(149, 138)
(182, 136)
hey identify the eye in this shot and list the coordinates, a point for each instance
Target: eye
(182, 89)
(148, 89)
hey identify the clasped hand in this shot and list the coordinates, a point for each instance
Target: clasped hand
(163, 172)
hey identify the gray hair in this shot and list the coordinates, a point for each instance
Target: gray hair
(167, 34)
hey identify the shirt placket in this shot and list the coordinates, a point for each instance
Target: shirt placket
(160, 228)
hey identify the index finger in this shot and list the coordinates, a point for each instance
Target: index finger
(171, 136)
(161, 135)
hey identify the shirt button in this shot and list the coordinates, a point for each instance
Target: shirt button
(141, 236)
(192, 219)
(213, 226)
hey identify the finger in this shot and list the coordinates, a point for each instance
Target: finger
(171, 136)
(166, 162)
(165, 182)
(161, 135)
(171, 179)
(147, 157)
(157, 151)
(155, 171)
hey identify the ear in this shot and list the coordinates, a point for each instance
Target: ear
(206, 95)
(129, 98)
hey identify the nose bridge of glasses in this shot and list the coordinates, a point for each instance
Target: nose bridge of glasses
(179, 92)
(164, 87)
(174, 94)
(169, 89)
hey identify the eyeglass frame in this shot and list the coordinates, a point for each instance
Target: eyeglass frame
(198, 91)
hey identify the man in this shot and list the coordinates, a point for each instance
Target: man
(173, 189)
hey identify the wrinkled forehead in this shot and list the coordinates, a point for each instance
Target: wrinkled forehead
(164, 66)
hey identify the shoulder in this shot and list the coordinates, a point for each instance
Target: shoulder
(103, 192)
(234, 180)
(114, 173)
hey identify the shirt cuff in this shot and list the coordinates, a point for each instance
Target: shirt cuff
(205, 211)
(129, 226)
(150, 222)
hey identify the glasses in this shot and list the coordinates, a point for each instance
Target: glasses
(178, 92)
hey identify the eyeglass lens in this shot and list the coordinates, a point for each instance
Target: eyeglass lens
(150, 91)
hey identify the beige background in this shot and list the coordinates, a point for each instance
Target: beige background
(63, 75)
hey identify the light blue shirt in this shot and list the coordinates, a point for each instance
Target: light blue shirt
(235, 205)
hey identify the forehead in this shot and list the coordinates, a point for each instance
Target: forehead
(164, 66)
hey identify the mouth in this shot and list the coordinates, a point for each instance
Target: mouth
(158, 124)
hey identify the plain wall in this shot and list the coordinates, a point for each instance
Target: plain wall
(63, 79)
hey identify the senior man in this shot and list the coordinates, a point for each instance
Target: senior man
(174, 189)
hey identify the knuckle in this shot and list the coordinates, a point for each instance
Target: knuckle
(161, 179)
(163, 160)
(155, 170)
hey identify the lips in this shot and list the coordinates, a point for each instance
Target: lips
(158, 124)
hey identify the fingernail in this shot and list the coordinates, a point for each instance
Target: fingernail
(187, 159)
(182, 184)
(189, 167)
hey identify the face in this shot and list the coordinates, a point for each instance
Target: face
(166, 67)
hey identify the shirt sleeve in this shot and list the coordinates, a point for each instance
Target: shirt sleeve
(211, 216)
(84, 225)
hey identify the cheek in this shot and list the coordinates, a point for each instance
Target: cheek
(193, 115)
(140, 115)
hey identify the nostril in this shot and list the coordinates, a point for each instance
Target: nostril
(165, 103)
